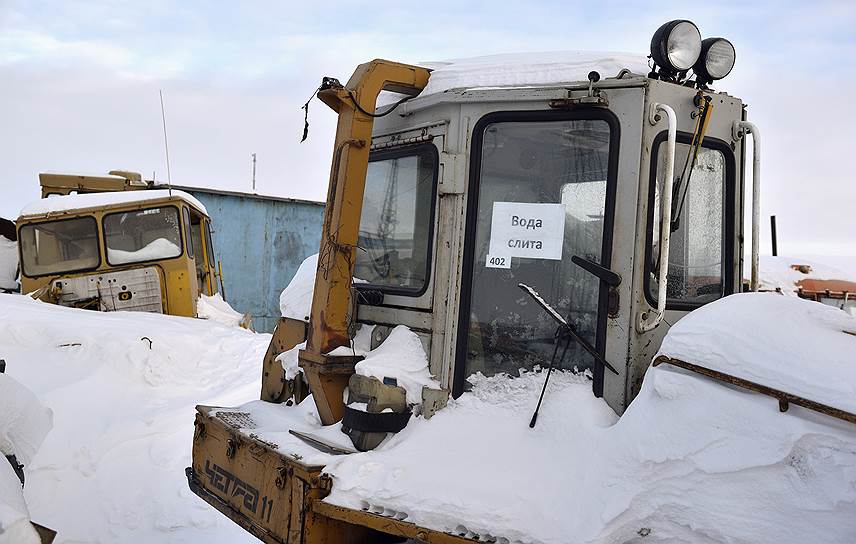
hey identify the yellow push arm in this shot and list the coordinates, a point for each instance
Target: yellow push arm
(331, 302)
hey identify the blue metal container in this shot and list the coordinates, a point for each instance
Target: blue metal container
(260, 240)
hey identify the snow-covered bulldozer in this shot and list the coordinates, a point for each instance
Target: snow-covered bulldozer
(611, 189)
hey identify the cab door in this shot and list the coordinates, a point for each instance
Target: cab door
(541, 191)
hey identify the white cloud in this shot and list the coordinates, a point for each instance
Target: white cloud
(81, 82)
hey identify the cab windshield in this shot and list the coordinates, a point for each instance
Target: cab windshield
(142, 235)
(542, 189)
(55, 247)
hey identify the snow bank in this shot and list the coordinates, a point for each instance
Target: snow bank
(160, 248)
(776, 273)
(295, 301)
(15, 527)
(529, 69)
(691, 460)
(218, 310)
(24, 422)
(400, 356)
(8, 264)
(786, 343)
(122, 387)
(66, 203)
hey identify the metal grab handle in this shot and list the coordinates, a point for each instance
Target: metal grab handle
(739, 129)
(645, 322)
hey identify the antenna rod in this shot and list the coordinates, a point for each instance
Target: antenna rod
(165, 145)
(254, 172)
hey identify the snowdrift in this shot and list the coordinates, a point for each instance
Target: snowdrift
(24, 422)
(295, 301)
(691, 460)
(216, 309)
(122, 387)
(8, 264)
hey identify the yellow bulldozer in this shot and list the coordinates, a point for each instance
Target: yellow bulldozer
(609, 185)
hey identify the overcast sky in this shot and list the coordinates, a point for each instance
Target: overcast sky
(79, 86)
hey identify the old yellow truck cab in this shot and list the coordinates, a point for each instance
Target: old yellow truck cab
(133, 250)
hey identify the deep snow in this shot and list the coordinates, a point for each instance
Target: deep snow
(216, 309)
(691, 460)
(8, 264)
(122, 387)
(24, 423)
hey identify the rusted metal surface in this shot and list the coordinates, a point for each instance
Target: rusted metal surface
(287, 334)
(248, 479)
(328, 377)
(390, 526)
(785, 399)
(268, 493)
(331, 303)
(46, 535)
(837, 289)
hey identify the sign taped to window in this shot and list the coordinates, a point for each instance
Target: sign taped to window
(527, 229)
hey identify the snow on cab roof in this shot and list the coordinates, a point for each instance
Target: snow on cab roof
(67, 203)
(529, 69)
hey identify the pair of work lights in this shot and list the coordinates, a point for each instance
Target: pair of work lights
(677, 47)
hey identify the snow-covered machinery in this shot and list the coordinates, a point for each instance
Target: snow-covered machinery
(131, 250)
(611, 189)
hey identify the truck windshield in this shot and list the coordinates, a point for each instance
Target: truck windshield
(395, 226)
(142, 235)
(56, 247)
(696, 249)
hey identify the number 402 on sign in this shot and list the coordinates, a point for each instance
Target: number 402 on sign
(498, 261)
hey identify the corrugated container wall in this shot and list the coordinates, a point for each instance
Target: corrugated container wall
(260, 241)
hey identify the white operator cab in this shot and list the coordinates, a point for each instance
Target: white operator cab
(554, 181)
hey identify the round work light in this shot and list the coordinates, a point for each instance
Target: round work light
(715, 61)
(676, 46)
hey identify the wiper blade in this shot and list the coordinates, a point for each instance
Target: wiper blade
(569, 333)
(567, 328)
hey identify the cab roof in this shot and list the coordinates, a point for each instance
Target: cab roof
(68, 203)
(529, 69)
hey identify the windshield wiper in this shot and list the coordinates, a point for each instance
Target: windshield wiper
(566, 333)
(683, 181)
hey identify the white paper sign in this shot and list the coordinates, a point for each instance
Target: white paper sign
(530, 230)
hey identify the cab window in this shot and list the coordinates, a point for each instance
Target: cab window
(55, 247)
(394, 247)
(191, 239)
(698, 251)
(142, 235)
(209, 245)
